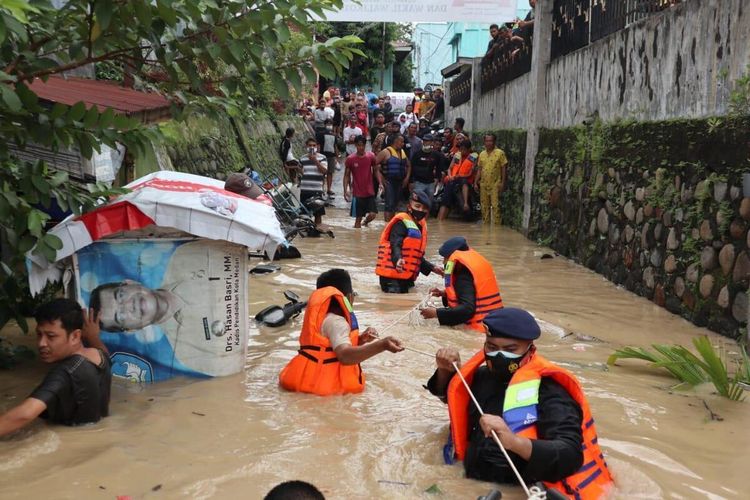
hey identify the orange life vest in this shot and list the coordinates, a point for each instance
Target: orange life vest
(464, 168)
(412, 249)
(593, 480)
(315, 369)
(487, 292)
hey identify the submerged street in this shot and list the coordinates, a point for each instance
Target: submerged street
(236, 437)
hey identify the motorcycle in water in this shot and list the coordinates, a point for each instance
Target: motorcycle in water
(275, 316)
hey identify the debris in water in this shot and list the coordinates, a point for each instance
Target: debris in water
(546, 256)
(398, 483)
(714, 416)
(198, 413)
(102, 487)
(434, 490)
(156, 488)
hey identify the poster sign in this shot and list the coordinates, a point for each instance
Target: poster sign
(403, 11)
(167, 307)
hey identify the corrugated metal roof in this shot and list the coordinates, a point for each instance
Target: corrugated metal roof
(148, 106)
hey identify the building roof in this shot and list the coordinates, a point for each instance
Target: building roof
(148, 106)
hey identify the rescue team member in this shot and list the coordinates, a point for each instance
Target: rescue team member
(331, 346)
(402, 245)
(76, 390)
(471, 289)
(546, 424)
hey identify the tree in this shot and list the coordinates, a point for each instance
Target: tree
(364, 70)
(201, 54)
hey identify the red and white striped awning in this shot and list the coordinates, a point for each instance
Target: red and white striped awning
(190, 203)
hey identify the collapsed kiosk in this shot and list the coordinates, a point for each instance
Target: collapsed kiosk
(165, 266)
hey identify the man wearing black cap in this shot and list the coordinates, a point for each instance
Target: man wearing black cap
(546, 424)
(402, 246)
(471, 289)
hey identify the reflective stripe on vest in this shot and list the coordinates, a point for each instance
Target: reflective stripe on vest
(412, 249)
(315, 369)
(487, 292)
(593, 480)
(395, 165)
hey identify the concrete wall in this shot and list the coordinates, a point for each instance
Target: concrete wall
(504, 107)
(679, 63)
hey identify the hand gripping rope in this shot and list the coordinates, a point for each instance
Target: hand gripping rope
(533, 493)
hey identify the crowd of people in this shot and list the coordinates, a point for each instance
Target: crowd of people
(388, 155)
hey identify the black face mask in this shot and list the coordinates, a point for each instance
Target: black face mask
(417, 215)
(503, 365)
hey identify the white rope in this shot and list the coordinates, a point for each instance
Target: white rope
(537, 494)
(533, 493)
(417, 307)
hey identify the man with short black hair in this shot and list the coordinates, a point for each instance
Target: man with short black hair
(331, 346)
(76, 390)
(327, 141)
(294, 490)
(291, 165)
(359, 173)
(313, 175)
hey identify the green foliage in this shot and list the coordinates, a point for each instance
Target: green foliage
(202, 55)
(739, 99)
(690, 369)
(365, 68)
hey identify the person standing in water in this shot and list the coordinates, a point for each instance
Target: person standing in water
(331, 347)
(402, 247)
(360, 171)
(537, 409)
(471, 289)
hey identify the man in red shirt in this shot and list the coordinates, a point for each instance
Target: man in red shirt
(360, 169)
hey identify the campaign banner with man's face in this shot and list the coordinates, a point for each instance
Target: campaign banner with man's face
(167, 307)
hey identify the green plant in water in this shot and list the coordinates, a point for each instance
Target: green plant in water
(690, 369)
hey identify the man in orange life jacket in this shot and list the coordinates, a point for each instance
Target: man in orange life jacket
(331, 346)
(471, 289)
(402, 246)
(546, 424)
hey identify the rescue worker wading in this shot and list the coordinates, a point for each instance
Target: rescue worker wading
(471, 289)
(546, 424)
(402, 246)
(331, 346)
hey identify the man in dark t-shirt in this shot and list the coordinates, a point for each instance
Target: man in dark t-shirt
(76, 390)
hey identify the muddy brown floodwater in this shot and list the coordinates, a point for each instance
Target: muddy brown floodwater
(238, 436)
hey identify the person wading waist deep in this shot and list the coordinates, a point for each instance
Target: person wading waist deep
(331, 346)
(471, 290)
(546, 423)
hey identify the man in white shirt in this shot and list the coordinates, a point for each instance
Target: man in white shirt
(351, 131)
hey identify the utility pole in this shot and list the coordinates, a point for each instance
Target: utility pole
(382, 63)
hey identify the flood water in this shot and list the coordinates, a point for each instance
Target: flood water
(236, 437)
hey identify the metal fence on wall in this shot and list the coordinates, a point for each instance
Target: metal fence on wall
(505, 64)
(460, 89)
(576, 23)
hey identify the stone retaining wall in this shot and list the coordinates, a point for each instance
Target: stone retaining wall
(215, 147)
(656, 207)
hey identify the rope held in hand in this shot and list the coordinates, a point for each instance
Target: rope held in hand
(534, 493)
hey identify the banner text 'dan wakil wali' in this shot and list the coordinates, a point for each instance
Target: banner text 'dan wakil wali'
(480, 11)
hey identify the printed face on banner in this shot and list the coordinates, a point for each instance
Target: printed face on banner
(168, 307)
